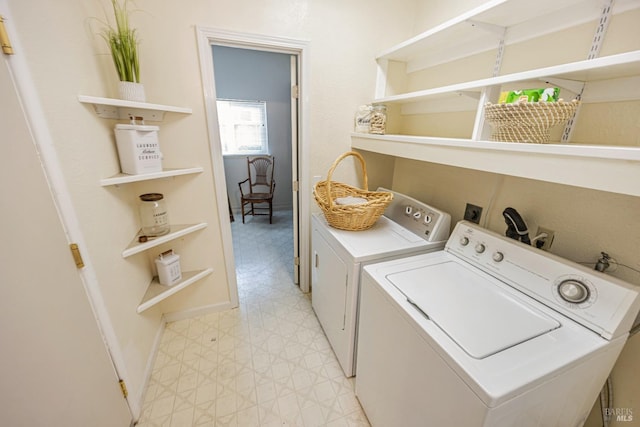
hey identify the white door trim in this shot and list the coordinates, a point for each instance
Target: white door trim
(36, 120)
(210, 36)
(295, 174)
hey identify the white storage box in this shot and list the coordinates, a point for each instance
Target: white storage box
(168, 265)
(138, 149)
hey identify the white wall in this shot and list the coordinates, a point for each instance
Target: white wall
(67, 58)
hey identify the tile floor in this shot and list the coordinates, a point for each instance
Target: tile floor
(266, 363)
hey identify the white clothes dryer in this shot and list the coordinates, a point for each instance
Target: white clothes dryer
(407, 227)
(489, 332)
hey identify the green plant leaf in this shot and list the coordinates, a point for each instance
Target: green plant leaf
(123, 43)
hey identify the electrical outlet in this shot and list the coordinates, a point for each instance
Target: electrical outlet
(473, 213)
(545, 243)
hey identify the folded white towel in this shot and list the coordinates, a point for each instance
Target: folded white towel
(350, 200)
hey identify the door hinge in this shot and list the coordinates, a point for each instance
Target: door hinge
(77, 257)
(123, 387)
(296, 260)
(4, 38)
(295, 185)
(295, 91)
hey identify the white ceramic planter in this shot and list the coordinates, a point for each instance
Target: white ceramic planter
(131, 91)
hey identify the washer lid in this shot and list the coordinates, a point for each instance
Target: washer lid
(476, 313)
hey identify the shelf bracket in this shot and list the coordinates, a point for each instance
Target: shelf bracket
(570, 85)
(481, 129)
(596, 45)
(125, 113)
(490, 28)
(469, 94)
(601, 30)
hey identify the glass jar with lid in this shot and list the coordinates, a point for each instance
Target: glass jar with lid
(362, 118)
(153, 215)
(378, 121)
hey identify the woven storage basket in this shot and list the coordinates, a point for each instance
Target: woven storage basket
(527, 121)
(350, 217)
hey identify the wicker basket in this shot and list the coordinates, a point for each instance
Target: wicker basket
(527, 121)
(350, 217)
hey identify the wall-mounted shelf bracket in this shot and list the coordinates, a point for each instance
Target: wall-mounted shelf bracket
(570, 85)
(469, 94)
(490, 28)
(596, 45)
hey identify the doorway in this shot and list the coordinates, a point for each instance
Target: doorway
(258, 83)
(296, 184)
(263, 79)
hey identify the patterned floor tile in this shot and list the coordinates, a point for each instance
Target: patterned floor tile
(266, 363)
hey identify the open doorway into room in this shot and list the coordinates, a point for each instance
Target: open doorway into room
(298, 53)
(254, 103)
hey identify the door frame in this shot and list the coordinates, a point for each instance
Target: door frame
(295, 167)
(207, 37)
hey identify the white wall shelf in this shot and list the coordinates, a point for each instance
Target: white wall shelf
(176, 231)
(157, 292)
(480, 29)
(607, 168)
(612, 67)
(109, 108)
(123, 178)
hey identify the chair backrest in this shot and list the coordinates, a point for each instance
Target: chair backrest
(260, 171)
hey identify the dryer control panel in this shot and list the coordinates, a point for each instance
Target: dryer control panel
(421, 219)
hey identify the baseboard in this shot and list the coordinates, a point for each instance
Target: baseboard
(197, 311)
(136, 408)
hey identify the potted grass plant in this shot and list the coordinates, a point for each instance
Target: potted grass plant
(123, 42)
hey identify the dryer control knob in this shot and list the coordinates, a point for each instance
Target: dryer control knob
(498, 256)
(480, 248)
(464, 241)
(573, 291)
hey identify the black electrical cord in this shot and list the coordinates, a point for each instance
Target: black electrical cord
(516, 227)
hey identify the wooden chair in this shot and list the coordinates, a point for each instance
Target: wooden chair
(259, 186)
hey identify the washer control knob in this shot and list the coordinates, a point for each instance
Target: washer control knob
(573, 291)
(464, 241)
(498, 256)
(428, 219)
(408, 210)
(417, 214)
(480, 248)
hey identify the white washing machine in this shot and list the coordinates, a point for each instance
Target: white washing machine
(407, 227)
(489, 332)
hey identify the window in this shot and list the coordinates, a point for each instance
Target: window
(243, 127)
